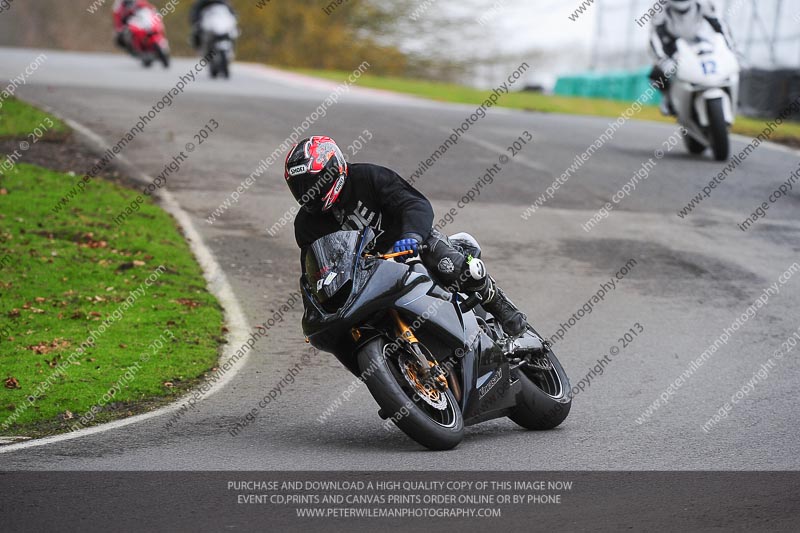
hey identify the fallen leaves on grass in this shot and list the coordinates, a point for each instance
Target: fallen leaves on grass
(130, 264)
(32, 309)
(191, 304)
(91, 242)
(12, 383)
(44, 348)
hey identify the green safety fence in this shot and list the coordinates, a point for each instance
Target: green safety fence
(626, 86)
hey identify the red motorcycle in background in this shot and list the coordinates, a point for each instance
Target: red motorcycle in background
(141, 31)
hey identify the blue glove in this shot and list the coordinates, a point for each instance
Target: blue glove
(403, 245)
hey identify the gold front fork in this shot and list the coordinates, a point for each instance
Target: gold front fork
(405, 332)
(403, 329)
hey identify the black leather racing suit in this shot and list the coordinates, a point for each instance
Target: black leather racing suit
(378, 197)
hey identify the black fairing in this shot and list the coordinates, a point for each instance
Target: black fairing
(364, 289)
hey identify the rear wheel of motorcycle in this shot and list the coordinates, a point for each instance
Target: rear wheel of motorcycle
(718, 130)
(546, 398)
(436, 430)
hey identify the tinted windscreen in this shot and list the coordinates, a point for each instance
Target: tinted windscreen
(329, 263)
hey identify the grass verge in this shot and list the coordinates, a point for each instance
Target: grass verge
(18, 119)
(788, 133)
(96, 320)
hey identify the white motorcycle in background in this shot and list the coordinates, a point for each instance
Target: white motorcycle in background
(705, 93)
(219, 31)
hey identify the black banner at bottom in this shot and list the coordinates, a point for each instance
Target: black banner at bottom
(398, 501)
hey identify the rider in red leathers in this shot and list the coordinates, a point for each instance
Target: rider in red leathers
(123, 10)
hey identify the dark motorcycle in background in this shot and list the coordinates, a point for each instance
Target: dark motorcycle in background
(433, 360)
(218, 33)
(147, 37)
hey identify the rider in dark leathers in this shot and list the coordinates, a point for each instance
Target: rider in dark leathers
(335, 196)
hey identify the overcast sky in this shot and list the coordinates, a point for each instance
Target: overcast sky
(522, 25)
(513, 27)
(540, 23)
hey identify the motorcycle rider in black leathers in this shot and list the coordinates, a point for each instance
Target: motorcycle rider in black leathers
(337, 196)
(195, 14)
(680, 19)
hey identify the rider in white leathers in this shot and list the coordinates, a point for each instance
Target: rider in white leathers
(682, 19)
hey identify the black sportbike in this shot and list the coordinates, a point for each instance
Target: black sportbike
(434, 360)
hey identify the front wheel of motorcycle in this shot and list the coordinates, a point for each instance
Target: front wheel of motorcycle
(694, 146)
(224, 65)
(545, 396)
(718, 130)
(435, 420)
(163, 55)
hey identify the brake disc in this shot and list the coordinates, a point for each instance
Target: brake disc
(410, 370)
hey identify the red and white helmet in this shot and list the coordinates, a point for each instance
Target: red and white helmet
(316, 172)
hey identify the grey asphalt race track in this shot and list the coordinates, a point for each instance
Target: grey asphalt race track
(691, 279)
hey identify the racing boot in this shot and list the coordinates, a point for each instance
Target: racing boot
(665, 108)
(511, 319)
